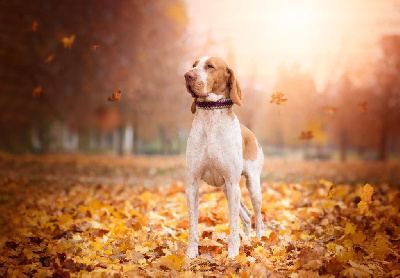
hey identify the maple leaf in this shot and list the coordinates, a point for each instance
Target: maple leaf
(35, 26)
(330, 110)
(278, 99)
(241, 258)
(50, 58)
(365, 193)
(116, 96)
(350, 228)
(306, 135)
(37, 92)
(68, 41)
(363, 107)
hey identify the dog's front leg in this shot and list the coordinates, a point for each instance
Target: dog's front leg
(192, 199)
(233, 196)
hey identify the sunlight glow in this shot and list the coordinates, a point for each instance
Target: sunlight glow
(295, 19)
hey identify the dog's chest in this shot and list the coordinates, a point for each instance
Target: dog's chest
(215, 143)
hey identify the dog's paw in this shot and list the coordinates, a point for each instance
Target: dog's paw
(232, 253)
(233, 247)
(260, 230)
(192, 252)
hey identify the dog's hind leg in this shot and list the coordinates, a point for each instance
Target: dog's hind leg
(253, 185)
(244, 213)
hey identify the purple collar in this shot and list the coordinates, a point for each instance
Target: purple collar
(222, 103)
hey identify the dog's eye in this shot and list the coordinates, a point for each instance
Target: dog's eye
(194, 65)
(210, 66)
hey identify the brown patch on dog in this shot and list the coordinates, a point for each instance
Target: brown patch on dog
(249, 144)
(193, 108)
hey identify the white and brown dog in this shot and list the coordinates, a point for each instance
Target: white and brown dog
(220, 150)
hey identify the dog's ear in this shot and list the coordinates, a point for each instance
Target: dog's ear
(193, 108)
(235, 92)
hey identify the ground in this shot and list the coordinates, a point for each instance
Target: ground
(104, 216)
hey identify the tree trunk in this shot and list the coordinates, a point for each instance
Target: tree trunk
(343, 146)
(383, 143)
(135, 139)
(128, 139)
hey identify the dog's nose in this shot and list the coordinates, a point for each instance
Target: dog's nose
(190, 75)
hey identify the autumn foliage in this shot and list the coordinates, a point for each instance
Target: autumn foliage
(98, 225)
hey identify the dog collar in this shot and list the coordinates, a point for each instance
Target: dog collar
(222, 103)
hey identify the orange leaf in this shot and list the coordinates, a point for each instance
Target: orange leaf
(306, 135)
(330, 110)
(35, 26)
(50, 58)
(95, 46)
(278, 99)
(363, 107)
(116, 96)
(37, 92)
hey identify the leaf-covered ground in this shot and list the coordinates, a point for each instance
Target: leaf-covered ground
(67, 217)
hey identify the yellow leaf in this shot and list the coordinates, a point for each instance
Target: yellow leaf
(358, 237)
(68, 41)
(222, 228)
(97, 245)
(241, 258)
(209, 242)
(350, 228)
(330, 192)
(365, 193)
(175, 261)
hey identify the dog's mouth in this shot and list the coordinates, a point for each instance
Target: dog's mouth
(194, 90)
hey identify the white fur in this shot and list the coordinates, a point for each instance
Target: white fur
(202, 72)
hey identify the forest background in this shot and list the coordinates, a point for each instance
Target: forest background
(336, 63)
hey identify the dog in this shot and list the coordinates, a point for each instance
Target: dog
(220, 150)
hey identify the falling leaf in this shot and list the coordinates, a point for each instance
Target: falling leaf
(278, 99)
(68, 41)
(37, 92)
(365, 193)
(50, 58)
(35, 26)
(363, 107)
(95, 46)
(306, 135)
(116, 96)
(330, 110)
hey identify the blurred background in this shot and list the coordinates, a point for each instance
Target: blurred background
(337, 62)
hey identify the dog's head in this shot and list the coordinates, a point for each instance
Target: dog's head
(211, 79)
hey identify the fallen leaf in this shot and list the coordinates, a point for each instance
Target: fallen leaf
(365, 193)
